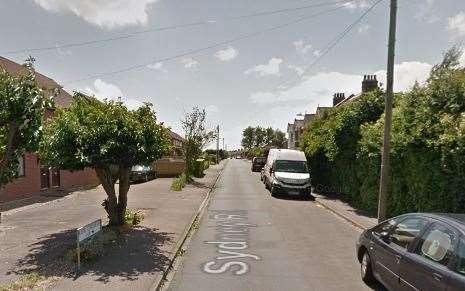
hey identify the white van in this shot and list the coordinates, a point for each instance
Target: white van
(286, 172)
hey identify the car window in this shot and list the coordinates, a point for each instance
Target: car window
(461, 257)
(405, 232)
(437, 244)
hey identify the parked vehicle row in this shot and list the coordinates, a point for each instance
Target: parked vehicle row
(415, 252)
(284, 171)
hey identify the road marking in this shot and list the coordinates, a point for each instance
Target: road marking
(232, 242)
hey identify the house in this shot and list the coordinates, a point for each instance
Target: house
(174, 163)
(34, 179)
(296, 129)
(369, 83)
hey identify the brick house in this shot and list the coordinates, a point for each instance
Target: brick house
(34, 178)
(174, 163)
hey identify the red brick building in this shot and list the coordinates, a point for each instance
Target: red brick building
(34, 178)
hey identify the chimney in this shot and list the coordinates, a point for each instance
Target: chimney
(338, 98)
(369, 83)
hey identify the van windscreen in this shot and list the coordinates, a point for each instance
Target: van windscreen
(291, 166)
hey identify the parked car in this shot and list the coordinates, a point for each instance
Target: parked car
(286, 172)
(415, 251)
(142, 173)
(258, 163)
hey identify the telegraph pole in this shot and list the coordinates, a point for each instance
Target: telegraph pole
(385, 162)
(217, 144)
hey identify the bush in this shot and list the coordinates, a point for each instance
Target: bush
(179, 183)
(133, 217)
(427, 173)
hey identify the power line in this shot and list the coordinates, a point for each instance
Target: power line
(172, 27)
(331, 44)
(202, 49)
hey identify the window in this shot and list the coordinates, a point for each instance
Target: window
(291, 166)
(437, 244)
(406, 231)
(461, 257)
(21, 168)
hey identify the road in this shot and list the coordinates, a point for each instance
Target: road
(248, 240)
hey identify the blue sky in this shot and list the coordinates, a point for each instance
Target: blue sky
(263, 80)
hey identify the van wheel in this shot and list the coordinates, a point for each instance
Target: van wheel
(366, 270)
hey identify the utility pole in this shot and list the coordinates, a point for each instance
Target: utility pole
(217, 144)
(223, 144)
(385, 162)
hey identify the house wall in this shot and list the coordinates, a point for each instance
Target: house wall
(29, 184)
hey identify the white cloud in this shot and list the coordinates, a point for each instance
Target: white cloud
(316, 88)
(456, 24)
(301, 47)
(319, 88)
(362, 29)
(103, 90)
(317, 53)
(299, 70)
(157, 67)
(103, 13)
(190, 63)
(406, 73)
(272, 68)
(227, 54)
(426, 12)
(355, 5)
(212, 109)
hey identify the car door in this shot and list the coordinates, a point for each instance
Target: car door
(427, 266)
(391, 249)
(457, 276)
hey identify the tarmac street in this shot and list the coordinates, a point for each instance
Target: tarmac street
(248, 240)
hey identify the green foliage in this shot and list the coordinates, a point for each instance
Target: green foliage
(256, 139)
(133, 217)
(428, 146)
(91, 133)
(179, 183)
(197, 137)
(26, 282)
(22, 108)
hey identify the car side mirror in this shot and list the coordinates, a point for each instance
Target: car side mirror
(384, 236)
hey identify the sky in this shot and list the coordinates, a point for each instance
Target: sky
(236, 59)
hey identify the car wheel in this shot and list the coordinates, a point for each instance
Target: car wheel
(366, 270)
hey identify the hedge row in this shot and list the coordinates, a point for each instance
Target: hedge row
(428, 146)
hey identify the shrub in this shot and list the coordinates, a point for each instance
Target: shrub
(179, 183)
(133, 217)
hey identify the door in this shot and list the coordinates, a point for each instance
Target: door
(426, 268)
(390, 251)
(44, 178)
(55, 173)
(457, 276)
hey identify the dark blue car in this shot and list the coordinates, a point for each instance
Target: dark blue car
(417, 251)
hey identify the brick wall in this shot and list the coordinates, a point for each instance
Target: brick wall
(29, 185)
(168, 167)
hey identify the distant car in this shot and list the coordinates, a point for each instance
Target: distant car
(141, 173)
(258, 163)
(416, 251)
(238, 157)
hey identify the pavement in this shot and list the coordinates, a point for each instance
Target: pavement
(248, 240)
(35, 237)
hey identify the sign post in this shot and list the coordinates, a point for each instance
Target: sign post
(84, 233)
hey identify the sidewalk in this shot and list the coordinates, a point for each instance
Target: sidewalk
(34, 238)
(342, 209)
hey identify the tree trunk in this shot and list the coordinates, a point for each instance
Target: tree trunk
(110, 204)
(124, 185)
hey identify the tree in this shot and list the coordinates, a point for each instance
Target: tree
(279, 138)
(197, 137)
(108, 137)
(22, 107)
(248, 137)
(260, 137)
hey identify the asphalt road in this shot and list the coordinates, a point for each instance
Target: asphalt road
(248, 240)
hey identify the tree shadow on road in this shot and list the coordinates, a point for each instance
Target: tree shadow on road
(132, 253)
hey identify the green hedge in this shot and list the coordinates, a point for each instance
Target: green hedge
(428, 146)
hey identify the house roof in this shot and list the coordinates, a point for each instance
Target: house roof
(174, 135)
(62, 99)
